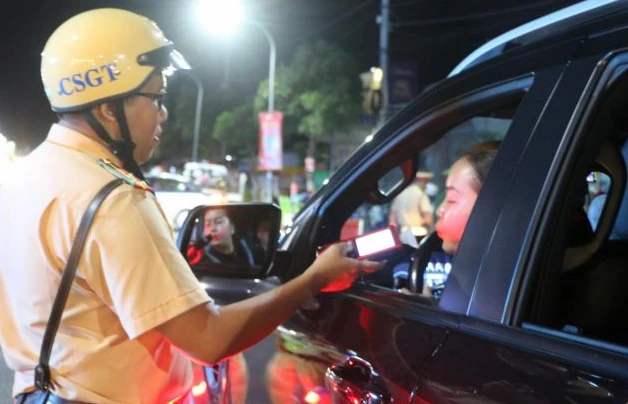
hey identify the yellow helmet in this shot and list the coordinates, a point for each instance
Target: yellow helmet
(102, 55)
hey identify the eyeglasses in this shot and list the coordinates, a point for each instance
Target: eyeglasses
(159, 97)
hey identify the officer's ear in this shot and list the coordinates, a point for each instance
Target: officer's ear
(105, 113)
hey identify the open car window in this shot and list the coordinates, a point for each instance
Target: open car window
(414, 210)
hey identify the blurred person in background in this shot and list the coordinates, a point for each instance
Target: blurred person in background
(411, 210)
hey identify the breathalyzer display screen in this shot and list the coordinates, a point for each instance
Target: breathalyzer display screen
(374, 242)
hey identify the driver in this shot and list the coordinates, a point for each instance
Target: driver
(136, 315)
(464, 182)
(463, 186)
(223, 245)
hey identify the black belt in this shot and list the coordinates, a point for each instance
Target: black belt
(41, 397)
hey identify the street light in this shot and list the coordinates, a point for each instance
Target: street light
(197, 115)
(271, 64)
(223, 17)
(271, 95)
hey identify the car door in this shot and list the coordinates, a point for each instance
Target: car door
(545, 322)
(373, 342)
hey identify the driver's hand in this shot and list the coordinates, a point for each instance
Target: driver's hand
(333, 271)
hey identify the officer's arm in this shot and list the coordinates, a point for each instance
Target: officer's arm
(209, 335)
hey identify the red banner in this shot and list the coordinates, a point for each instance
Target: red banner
(270, 141)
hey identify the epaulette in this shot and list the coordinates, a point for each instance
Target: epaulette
(124, 175)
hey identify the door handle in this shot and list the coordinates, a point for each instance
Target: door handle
(354, 381)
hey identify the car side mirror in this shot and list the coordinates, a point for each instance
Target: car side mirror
(392, 183)
(231, 240)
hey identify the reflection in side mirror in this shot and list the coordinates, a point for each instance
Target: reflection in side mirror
(391, 181)
(231, 240)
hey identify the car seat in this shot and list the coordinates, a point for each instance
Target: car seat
(582, 242)
(595, 273)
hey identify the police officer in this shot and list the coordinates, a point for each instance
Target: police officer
(136, 315)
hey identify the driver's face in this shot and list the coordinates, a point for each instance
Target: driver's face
(219, 227)
(453, 213)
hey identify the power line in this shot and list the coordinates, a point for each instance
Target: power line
(347, 33)
(426, 42)
(476, 16)
(337, 19)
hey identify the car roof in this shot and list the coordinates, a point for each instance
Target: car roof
(549, 25)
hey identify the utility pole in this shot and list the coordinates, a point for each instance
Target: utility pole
(384, 27)
(272, 62)
(226, 79)
(197, 115)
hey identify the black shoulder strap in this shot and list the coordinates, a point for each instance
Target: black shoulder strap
(42, 371)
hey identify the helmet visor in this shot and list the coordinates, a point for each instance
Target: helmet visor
(165, 57)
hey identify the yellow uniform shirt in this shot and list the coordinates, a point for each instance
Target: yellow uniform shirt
(130, 279)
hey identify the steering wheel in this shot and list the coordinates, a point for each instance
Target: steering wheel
(421, 258)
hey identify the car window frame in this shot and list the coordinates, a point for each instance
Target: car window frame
(612, 67)
(521, 189)
(574, 352)
(472, 101)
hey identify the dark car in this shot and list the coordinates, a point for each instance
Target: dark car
(535, 305)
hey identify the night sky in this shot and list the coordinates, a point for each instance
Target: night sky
(434, 34)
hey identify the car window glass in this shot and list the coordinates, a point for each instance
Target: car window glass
(579, 284)
(159, 184)
(189, 187)
(172, 185)
(587, 291)
(390, 181)
(413, 211)
(598, 185)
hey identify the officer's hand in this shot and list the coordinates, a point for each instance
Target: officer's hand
(333, 271)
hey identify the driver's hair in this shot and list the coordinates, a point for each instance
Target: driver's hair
(480, 156)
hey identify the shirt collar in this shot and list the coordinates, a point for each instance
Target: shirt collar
(66, 137)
